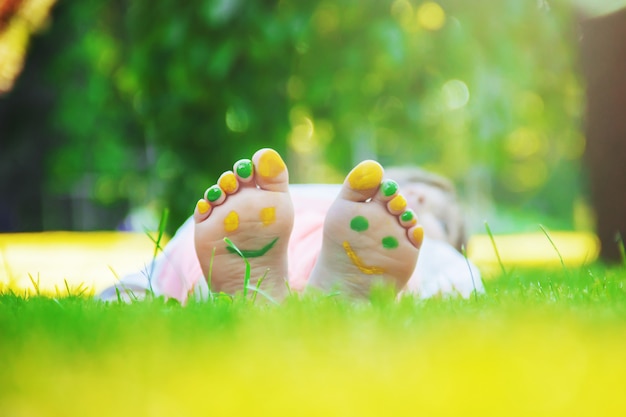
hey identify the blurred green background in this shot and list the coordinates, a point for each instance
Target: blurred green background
(142, 104)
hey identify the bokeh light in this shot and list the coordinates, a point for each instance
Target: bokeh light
(237, 119)
(455, 94)
(430, 16)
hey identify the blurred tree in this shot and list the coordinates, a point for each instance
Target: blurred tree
(24, 114)
(103, 162)
(486, 92)
(209, 79)
(156, 99)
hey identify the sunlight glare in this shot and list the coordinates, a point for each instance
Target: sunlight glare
(301, 138)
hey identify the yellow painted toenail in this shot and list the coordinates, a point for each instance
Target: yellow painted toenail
(231, 222)
(365, 176)
(270, 164)
(418, 236)
(398, 203)
(203, 206)
(268, 215)
(228, 183)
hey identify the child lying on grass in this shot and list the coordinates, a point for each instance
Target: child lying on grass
(370, 234)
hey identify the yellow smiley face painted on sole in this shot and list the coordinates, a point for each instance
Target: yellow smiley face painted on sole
(267, 216)
(361, 224)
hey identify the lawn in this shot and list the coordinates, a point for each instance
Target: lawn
(539, 342)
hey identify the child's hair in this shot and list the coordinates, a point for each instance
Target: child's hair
(451, 216)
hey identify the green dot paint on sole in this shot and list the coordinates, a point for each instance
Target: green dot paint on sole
(243, 168)
(389, 187)
(213, 193)
(390, 242)
(359, 224)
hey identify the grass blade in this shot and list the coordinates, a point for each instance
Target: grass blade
(545, 232)
(157, 245)
(263, 293)
(620, 246)
(210, 276)
(160, 232)
(495, 248)
(246, 277)
(464, 252)
(258, 285)
(35, 284)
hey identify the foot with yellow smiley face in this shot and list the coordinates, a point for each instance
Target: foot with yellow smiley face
(250, 206)
(370, 236)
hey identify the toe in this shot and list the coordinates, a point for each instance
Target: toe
(244, 171)
(397, 205)
(215, 195)
(408, 218)
(228, 182)
(388, 190)
(270, 170)
(416, 235)
(363, 182)
(202, 211)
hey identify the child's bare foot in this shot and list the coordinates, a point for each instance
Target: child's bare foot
(251, 206)
(370, 237)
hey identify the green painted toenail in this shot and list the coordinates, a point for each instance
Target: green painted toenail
(359, 224)
(244, 168)
(407, 216)
(213, 193)
(389, 187)
(390, 242)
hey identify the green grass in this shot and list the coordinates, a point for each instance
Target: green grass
(538, 343)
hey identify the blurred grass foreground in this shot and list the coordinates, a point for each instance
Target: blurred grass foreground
(141, 104)
(537, 344)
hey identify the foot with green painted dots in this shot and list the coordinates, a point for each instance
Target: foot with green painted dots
(250, 206)
(370, 237)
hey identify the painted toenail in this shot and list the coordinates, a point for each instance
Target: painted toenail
(268, 215)
(231, 222)
(359, 224)
(228, 183)
(365, 176)
(390, 242)
(213, 193)
(203, 206)
(244, 168)
(398, 203)
(389, 187)
(270, 164)
(408, 217)
(369, 270)
(418, 236)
